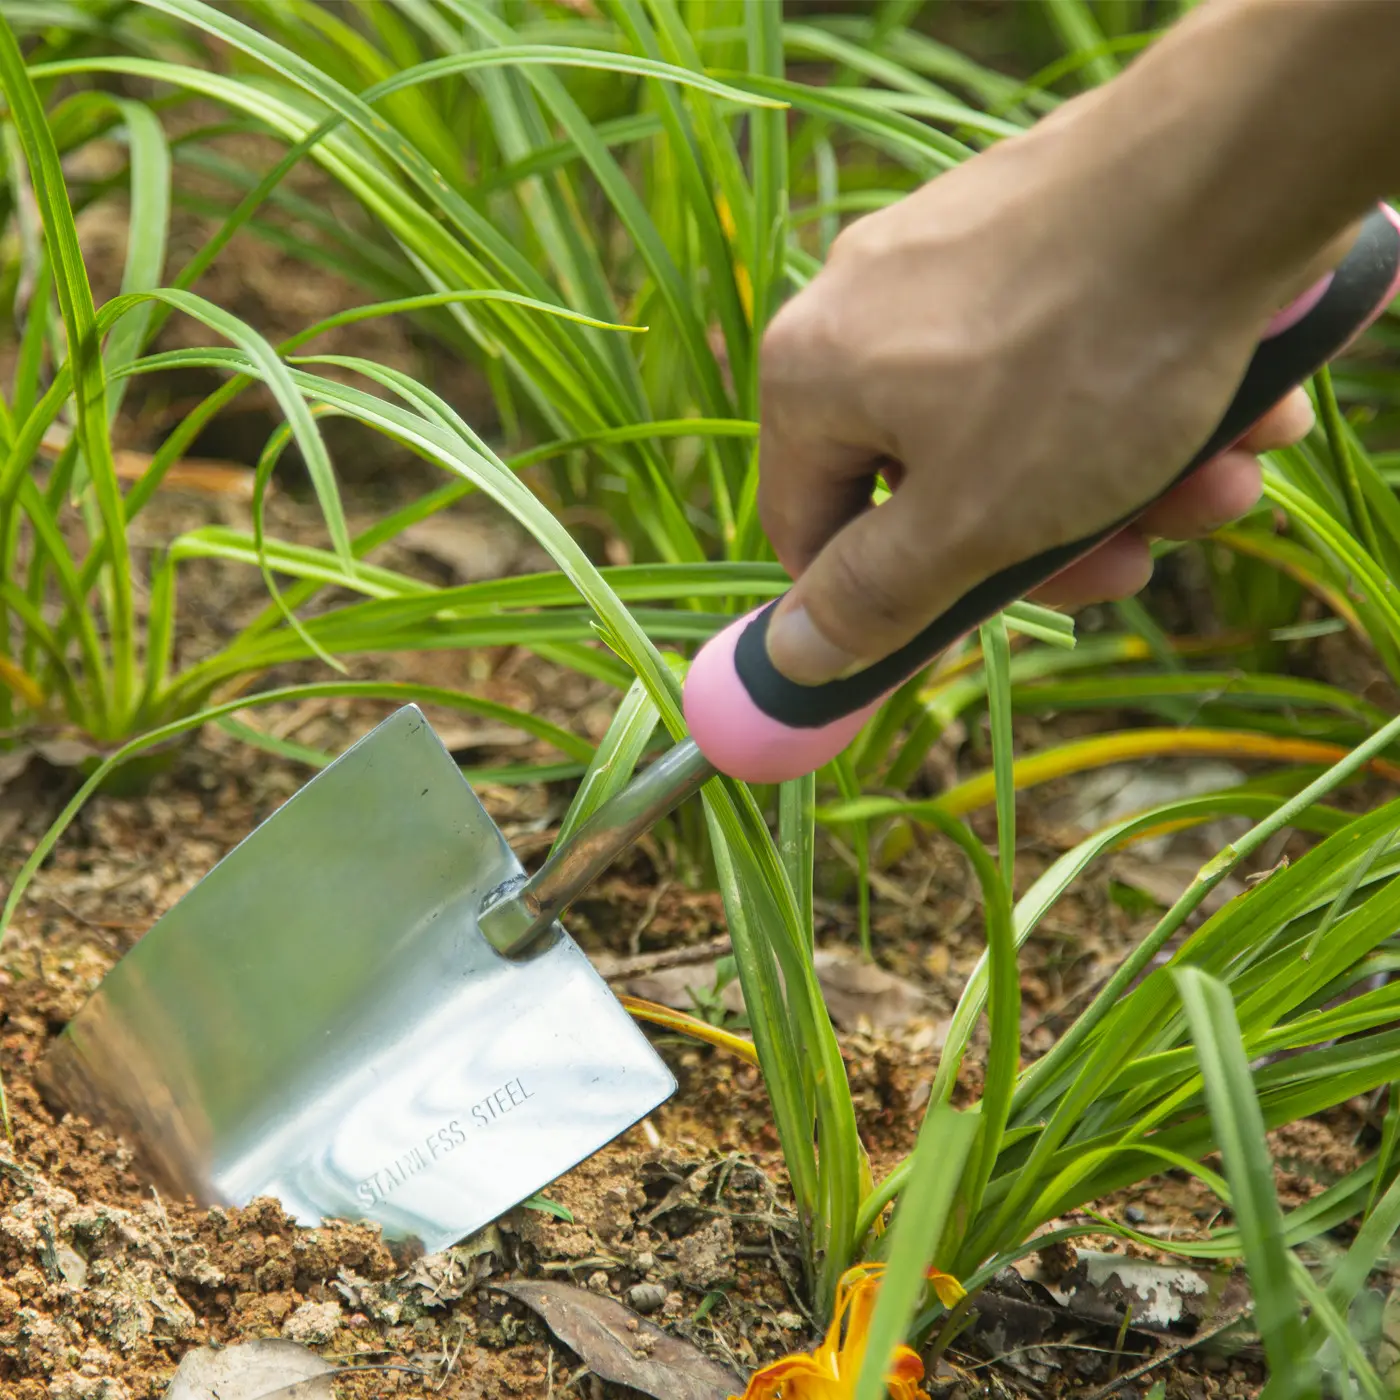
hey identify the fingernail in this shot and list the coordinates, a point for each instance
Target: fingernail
(801, 652)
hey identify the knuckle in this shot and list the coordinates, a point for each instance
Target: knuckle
(855, 240)
(801, 354)
(783, 355)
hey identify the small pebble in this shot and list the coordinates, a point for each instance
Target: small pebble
(1135, 1215)
(788, 1321)
(314, 1324)
(72, 1266)
(646, 1297)
(644, 1262)
(598, 1282)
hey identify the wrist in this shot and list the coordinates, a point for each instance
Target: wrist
(1235, 158)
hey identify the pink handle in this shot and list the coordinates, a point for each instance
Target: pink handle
(737, 737)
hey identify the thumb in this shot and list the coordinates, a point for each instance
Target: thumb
(875, 585)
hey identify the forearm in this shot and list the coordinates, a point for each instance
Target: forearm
(1271, 125)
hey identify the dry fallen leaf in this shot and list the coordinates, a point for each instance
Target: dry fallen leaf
(66, 753)
(1167, 878)
(673, 987)
(1388, 1349)
(461, 737)
(471, 547)
(203, 476)
(261, 1370)
(22, 780)
(859, 993)
(1125, 789)
(14, 791)
(1103, 1288)
(620, 1347)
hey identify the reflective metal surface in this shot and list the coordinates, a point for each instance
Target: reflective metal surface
(321, 1020)
(518, 913)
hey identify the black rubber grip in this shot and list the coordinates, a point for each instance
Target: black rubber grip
(1281, 363)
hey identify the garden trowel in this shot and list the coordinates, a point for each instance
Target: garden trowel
(367, 1010)
(322, 1019)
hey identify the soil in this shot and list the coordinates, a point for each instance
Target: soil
(104, 1284)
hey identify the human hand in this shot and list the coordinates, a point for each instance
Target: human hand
(1217, 492)
(1027, 349)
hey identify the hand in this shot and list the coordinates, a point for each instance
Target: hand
(1219, 491)
(1027, 349)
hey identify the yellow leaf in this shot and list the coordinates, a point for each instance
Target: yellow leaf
(743, 283)
(21, 683)
(1081, 755)
(692, 1026)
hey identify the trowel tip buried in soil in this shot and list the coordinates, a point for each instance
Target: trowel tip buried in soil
(321, 1021)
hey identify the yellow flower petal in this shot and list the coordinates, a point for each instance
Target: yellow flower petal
(905, 1373)
(791, 1378)
(831, 1371)
(950, 1292)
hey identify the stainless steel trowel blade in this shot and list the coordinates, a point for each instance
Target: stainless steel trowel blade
(320, 1020)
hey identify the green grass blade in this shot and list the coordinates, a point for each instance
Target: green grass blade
(769, 165)
(945, 1143)
(1209, 877)
(270, 369)
(160, 635)
(848, 782)
(1239, 1129)
(1044, 624)
(615, 759)
(147, 232)
(774, 1031)
(269, 743)
(1081, 32)
(79, 316)
(1335, 1324)
(797, 832)
(1345, 894)
(922, 149)
(1373, 1241)
(996, 654)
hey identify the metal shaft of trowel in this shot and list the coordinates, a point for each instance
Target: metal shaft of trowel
(511, 923)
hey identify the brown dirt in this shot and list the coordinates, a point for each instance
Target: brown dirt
(103, 1285)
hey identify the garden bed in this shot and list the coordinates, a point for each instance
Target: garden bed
(104, 1285)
